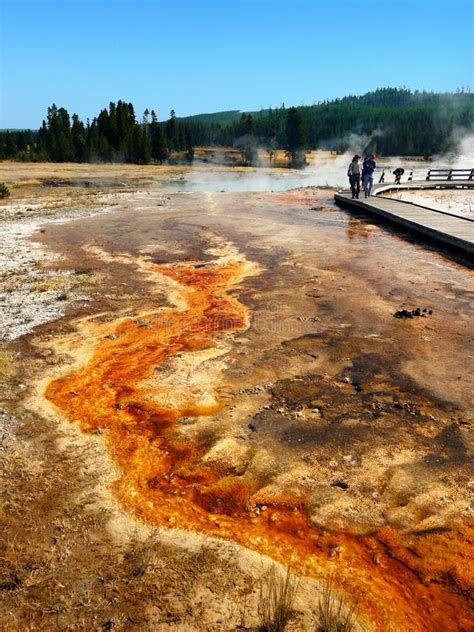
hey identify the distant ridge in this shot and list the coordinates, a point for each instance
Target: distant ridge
(221, 118)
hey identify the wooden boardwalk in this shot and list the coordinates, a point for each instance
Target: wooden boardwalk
(441, 227)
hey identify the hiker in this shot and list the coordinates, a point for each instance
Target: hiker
(368, 169)
(398, 172)
(354, 176)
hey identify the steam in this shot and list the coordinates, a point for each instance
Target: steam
(462, 157)
(328, 168)
(325, 169)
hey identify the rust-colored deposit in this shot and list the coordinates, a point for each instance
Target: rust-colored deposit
(403, 582)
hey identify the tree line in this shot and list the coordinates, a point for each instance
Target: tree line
(115, 135)
(390, 121)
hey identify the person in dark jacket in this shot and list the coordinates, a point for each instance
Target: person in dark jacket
(398, 172)
(354, 176)
(368, 169)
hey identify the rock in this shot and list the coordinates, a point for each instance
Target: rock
(405, 313)
(186, 420)
(143, 324)
(341, 484)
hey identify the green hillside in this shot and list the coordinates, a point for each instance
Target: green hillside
(213, 118)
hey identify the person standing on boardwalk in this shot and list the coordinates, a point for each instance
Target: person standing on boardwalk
(368, 169)
(398, 172)
(354, 176)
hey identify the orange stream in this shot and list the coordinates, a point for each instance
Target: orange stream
(164, 481)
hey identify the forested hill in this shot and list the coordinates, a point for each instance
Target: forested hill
(388, 121)
(392, 121)
(221, 118)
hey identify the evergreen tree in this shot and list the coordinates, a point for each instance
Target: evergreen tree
(144, 155)
(159, 149)
(189, 144)
(92, 142)
(295, 137)
(78, 133)
(172, 132)
(59, 138)
(113, 128)
(138, 146)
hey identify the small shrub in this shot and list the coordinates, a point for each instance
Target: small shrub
(4, 190)
(277, 599)
(335, 615)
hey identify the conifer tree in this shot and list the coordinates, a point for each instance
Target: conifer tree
(189, 144)
(159, 149)
(59, 138)
(113, 127)
(172, 132)
(295, 137)
(78, 133)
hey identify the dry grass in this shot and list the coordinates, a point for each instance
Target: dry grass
(277, 598)
(335, 613)
(4, 190)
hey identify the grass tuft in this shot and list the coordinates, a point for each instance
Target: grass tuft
(277, 598)
(4, 190)
(335, 614)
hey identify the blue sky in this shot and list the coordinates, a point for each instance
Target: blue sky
(210, 55)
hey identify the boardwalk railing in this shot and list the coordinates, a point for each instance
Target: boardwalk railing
(450, 174)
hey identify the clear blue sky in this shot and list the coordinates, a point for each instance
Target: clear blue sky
(210, 55)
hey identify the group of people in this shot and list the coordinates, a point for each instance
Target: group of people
(364, 172)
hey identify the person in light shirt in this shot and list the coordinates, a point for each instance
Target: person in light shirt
(354, 176)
